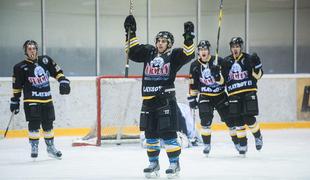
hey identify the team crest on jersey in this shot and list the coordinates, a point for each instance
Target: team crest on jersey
(41, 78)
(45, 60)
(157, 67)
(206, 77)
(236, 72)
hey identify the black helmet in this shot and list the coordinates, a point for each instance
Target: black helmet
(204, 44)
(236, 40)
(29, 42)
(167, 35)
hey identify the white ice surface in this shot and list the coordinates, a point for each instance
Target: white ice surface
(285, 155)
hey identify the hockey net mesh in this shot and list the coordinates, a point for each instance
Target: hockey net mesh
(118, 110)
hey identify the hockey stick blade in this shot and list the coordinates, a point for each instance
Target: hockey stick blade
(7, 128)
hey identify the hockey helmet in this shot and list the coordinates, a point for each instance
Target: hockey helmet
(236, 40)
(204, 44)
(29, 42)
(167, 35)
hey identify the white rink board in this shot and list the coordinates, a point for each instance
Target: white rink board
(276, 95)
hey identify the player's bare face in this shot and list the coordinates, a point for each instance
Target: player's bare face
(235, 50)
(204, 54)
(32, 52)
(162, 45)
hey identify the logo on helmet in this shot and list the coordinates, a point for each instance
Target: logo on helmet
(167, 35)
(236, 41)
(204, 44)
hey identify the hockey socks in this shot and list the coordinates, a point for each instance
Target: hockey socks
(241, 134)
(173, 150)
(153, 150)
(34, 137)
(206, 137)
(255, 129)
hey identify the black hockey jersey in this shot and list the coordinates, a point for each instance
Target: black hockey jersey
(201, 80)
(32, 77)
(159, 70)
(238, 74)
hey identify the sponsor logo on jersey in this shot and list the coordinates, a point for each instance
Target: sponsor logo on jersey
(236, 72)
(239, 85)
(157, 67)
(41, 94)
(206, 77)
(41, 78)
(151, 88)
(212, 90)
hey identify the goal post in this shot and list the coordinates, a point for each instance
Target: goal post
(118, 103)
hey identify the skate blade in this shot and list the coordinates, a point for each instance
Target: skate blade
(152, 175)
(55, 157)
(173, 175)
(242, 155)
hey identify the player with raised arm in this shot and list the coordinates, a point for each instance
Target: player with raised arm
(241, 72)
(31, 76)
(158, 113)
(207, 82)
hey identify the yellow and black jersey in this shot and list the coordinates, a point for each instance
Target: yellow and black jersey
(201, 80)
(32, 78)
(159, 69)
(238, 74)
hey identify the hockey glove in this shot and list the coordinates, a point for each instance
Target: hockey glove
(14, 105)
(130, 24)
(189, 33)
(255, 62)
(64, 87)
(192, 102)
(215, 72)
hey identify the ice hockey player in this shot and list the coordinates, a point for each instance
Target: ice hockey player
(158, 112)
(207, 82)
(31, 76)
(241, 72)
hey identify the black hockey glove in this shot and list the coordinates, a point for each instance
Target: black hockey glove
(192, 102)
(14, 105)
(64, 86)
(130, 23)
(255, 62)
(189, 33)
(215, 72)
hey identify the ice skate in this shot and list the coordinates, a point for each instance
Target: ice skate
(34, 148)
(237, 146)
(152, 170)
(173, 170)
(207, 149)
(243, 150)
(52, 151)
(194, 142)
(259, 143)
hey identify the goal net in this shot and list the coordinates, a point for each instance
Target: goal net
(118, 109)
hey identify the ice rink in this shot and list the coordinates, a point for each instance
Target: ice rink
(285, 155)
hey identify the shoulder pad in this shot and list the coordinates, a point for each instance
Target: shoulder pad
(45, 59)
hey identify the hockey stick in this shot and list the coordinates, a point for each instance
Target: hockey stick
(7, 128)
(194, 118)
(128, 43)
(218, 33)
